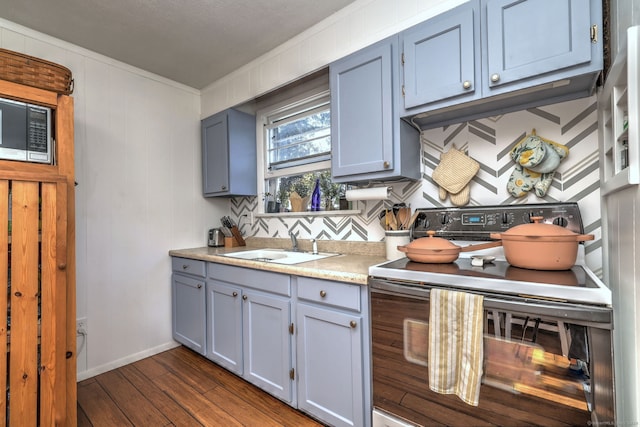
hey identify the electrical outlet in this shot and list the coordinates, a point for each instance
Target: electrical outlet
(81, 326)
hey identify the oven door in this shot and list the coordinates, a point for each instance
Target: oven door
(527, 378)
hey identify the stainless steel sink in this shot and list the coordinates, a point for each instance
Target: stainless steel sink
(279, 256)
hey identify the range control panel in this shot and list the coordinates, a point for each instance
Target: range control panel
(477, 222)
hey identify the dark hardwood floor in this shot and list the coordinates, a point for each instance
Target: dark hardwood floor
(179, 388)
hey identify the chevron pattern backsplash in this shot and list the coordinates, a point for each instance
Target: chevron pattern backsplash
(488, 141)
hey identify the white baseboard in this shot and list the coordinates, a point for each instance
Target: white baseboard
(89, 373)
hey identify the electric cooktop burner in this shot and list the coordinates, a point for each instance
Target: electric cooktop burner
(500, 270)
(577, 285)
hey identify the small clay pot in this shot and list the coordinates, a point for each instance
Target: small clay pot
(436, 250)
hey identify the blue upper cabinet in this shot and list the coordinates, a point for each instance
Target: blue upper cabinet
(229, 154)
(488, 57)
(368, 139)
(440, 58)
(535, 38)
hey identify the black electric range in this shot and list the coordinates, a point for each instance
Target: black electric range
(468, 225)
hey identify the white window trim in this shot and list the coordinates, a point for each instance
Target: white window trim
(275, 173)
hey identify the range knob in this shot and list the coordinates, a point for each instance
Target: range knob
(505, 218)
(561, 221)
(425, 222)
(444, 218)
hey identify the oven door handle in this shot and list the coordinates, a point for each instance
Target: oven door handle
(593, 316)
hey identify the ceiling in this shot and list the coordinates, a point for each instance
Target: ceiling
(193, 42)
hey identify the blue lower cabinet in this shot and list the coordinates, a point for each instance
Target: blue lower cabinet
(188, 304)
(303, 340)
(333, 351)
(330, 365)
(248, 326)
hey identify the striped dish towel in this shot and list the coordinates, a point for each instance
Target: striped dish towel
(455, 344)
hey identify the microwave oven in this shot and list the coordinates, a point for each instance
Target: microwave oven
(25, 132)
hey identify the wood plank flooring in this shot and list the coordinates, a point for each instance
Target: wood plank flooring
(179, 388)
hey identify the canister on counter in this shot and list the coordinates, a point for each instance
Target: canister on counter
(393, 239)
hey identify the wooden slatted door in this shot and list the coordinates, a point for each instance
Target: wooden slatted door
(32, 266)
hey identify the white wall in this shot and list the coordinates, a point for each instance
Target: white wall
(137, 154)
(354, 27)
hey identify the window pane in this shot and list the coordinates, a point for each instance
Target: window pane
(303, 139)
(280, 189)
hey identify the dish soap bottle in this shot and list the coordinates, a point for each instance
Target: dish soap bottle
(315, 197)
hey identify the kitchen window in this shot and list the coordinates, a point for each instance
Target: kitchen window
(299, 135)
(296, 149)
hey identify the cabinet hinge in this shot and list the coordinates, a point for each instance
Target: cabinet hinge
(292, 374)
(402, 59)
(403, 91)
(594, 33)
(291, 329)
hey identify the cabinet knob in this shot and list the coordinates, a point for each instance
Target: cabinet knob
(199, 286)
(323, 294)
(224, 187)
(235, 294)
(495, 77)
(353, 324)
(386, 165)
(466, 84)
(244, 297)
(185, 266)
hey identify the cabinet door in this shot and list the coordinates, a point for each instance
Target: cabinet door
(439, 58)
(229, 154)
(188, 304)
(529, 38)
(267, 343)
(224, 322)
(330, 365)
(362, 111)
(215, 154)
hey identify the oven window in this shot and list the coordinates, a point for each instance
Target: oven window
(416, 341)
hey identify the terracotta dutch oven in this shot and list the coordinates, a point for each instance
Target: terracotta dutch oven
(540, 246)
(436, 250)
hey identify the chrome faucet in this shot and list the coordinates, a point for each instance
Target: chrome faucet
(314, 247)
(294, 242)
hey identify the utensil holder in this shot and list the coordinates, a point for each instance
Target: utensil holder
(393, 239)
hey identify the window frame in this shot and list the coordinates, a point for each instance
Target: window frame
(290, 115)
(263, 115)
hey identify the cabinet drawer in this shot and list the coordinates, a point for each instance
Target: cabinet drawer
(188, 266)
(262, 280)
(329, 293)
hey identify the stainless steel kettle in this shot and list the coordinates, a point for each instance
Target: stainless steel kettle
(216, 238)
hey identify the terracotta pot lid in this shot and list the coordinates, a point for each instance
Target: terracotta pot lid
(538, 229)
(432, 243)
